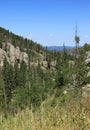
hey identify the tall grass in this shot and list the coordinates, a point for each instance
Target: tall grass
(73, 114)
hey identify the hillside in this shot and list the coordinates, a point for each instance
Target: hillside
(16, 40)
(34, 80)
(25, 66)
(14, 45)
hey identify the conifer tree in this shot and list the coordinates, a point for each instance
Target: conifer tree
(8, 77)
(59, 76)
(23, 74)
(16, 75)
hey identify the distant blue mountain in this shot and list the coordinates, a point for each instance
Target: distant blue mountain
(59, 48)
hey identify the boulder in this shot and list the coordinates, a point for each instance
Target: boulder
(86, 91)
(88, 54)
(87, 62)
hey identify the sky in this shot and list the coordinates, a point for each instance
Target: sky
(47, 22)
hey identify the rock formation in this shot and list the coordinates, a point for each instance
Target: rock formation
(12, 54)
(86, 90)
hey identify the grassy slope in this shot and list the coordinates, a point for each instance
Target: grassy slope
(67, 112)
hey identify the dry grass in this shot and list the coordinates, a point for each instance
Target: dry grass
(74, 115)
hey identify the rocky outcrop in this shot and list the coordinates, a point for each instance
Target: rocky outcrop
(86, 91)
(2, 56)
(24, 56)
(88, 54)
(87, 61)
(12, 54)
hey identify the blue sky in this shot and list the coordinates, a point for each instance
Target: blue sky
(48, 22)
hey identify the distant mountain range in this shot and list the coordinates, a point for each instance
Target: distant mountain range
(59, 48)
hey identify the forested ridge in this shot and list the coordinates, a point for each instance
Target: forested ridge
(47, 74)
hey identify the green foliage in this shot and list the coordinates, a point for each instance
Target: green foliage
(77, 39)
(7, 73)
(23, 74)
(0, 43)
(64, 55)
(16, 75)
(21, 98)
(64, 70)
(47, 72)
(1, 90)
(36, 95)
(81, 71)
(86, 47)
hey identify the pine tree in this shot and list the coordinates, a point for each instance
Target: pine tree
(23, 74)
(59, 75)
(8, 82)
(81, 71)
(16, 75)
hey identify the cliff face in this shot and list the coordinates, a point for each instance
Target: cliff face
(12, 54)
(2, 56)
